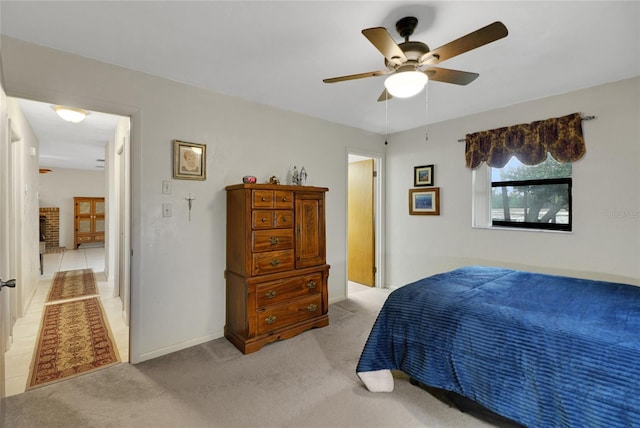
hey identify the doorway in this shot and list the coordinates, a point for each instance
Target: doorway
(113, 258)
(364, 220)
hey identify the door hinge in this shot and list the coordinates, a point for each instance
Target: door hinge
(375, 174)
(375, 270)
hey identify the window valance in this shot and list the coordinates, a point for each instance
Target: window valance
(530, 143)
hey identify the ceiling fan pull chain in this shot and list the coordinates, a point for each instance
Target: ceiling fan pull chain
(386, 118)
(426, 110)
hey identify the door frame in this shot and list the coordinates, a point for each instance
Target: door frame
(4, 240)
(378, 212)
(121, 258)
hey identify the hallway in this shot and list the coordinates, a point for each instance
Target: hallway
(18, 358)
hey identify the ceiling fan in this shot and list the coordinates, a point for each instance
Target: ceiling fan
(414, 60)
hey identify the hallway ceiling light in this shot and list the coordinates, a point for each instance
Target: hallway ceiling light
(71, 114)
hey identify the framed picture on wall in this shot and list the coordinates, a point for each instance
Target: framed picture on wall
(424, 201)
(423, 175)
(189, 161)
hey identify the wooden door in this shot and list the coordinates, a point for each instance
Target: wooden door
(310, 229)
(361, 230)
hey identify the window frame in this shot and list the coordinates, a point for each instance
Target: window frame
(564, 227)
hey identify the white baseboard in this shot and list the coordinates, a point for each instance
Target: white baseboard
(174, 348)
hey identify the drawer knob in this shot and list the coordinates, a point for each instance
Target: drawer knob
(274, 240)
(264, 220)
(312, 307)
(284, 199)
(263, 199)
(274, 262)
(270, 319)
(312, 284)
(270, 294)
(284, 219)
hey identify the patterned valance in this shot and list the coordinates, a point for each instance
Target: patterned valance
(530, 143)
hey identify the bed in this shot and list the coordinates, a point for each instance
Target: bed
(541, 350)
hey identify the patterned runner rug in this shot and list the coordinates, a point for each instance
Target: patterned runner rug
(74, 339)
(71, 284)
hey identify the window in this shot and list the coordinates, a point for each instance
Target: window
(521, 196)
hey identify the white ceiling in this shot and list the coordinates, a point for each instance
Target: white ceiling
(69, 145)
(277, 53)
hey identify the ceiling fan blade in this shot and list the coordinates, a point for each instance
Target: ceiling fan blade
(481, 37)
(382, 40)
(384, 96)
(450, 76)
(356, 76)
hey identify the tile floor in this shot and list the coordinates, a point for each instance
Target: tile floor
(18, 357)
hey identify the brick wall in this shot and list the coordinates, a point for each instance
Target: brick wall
(52, 231)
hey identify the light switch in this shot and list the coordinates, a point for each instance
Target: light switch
(166, 210)
(166, 187)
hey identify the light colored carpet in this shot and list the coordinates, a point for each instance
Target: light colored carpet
(306, 381)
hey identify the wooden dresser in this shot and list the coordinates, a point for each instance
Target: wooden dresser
(88, 222)
(276, 263)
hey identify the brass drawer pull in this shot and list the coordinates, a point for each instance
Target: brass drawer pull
(274, 262)
(284, 219)
(284, 199)
(270, 294)
(263, 199)
(264, 220)
(312, 307)
(312, 284)
(270, 319)
(274, 240)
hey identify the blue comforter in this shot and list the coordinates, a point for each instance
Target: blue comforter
(542, 350)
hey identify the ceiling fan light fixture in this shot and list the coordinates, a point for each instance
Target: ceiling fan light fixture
(406, 84)
(71, 114)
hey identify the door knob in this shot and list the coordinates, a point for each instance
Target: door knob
(11, 283)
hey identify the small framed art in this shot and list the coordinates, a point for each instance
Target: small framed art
(423, 175)
(424, 201)
(189, 161)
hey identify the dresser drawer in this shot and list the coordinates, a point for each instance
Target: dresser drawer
(283, 199)
(262, 198)
(270, 293)
(283, 219)
(272, 261)
(271, 240)
(277, 316)
(262, 219)
(267, 219)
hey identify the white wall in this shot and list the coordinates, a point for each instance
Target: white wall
(60, 186)
(605, 242)
(25, 219)
(177, 284)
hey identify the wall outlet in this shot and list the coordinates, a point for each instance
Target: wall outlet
(167, 210)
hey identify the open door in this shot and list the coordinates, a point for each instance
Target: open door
(361, 225)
